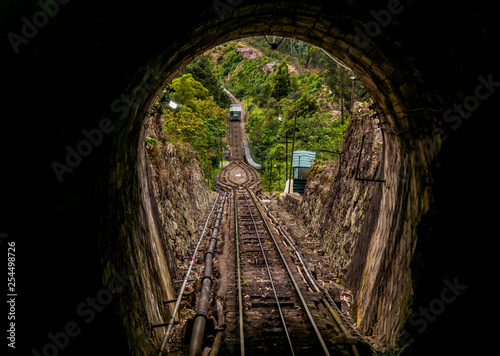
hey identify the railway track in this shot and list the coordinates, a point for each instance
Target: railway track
(270, 308)
(275, 317)
(238, 172)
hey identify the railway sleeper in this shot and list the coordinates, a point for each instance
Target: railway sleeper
(255, 238)
(252, 249)
(263, 304)
(280, 298)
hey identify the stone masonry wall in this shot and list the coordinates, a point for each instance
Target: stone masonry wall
(173, 199)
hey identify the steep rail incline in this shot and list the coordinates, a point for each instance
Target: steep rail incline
(270, 308)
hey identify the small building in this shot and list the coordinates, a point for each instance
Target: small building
(301, 164)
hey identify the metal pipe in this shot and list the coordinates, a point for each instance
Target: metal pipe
(204, 301)
(197, 334)
(183, 287)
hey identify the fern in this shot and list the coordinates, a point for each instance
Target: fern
(151, 142)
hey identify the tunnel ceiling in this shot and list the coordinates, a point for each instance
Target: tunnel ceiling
(401, 58)
(405, 54)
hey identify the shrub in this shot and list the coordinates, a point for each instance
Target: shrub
(152, 141)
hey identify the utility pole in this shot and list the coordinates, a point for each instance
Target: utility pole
(293, 146)
(352, 98)
(271, 174)
(341, 96)
(341, 83)
(221, 153)
(286, 151)
(286, 156)
(278, 167)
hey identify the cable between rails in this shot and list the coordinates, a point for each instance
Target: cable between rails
(270, 277)
(314, 283)
(292, 279)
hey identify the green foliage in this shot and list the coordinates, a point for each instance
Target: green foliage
(152, 141)
(269, 89)
(198, 120)
(306, 106)
(187, 90)
(228, 60)
(202, 71)
(282, 84)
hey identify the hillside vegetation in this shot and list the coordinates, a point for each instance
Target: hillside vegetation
(276, 87)
(298, 81)
(199, 119)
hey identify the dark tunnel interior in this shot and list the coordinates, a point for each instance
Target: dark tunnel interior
(431, 66)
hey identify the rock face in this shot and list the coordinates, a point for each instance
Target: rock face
(342, 206)
(180, 190)
(174, 196)
(338, 194)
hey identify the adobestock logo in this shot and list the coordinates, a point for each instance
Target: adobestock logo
(74, 156)
(421, 318)
(222, 7)
(30, 27)
(464, 110)
(454, 117)
(87, 311)
(382, 19)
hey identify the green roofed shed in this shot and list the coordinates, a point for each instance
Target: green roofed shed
(301, 164)
(303, 159)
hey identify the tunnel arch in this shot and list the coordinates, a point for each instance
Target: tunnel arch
(404, 93)
(379, 63)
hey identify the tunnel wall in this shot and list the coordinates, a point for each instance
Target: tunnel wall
(172, 199)
(99, 66)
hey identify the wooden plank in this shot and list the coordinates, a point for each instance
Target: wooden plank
(271, 304)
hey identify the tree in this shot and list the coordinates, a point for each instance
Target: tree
(282, 84)
(203, 72)
(310, 54)
(187, 89)
(199, 121)
(306, 106)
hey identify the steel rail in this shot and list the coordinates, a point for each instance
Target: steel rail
(309, 278)
(270, 276)
(334, 310)
(292, 279)
(184, 283)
